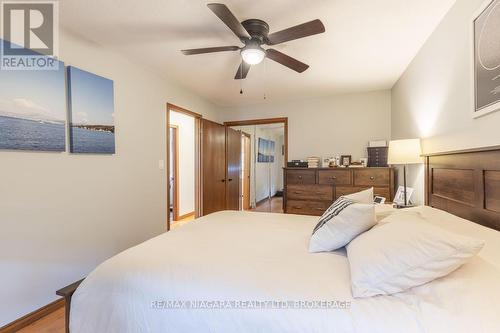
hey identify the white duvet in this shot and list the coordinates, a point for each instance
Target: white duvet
(242, 256)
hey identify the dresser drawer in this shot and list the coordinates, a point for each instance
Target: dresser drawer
(309, 192)
(345, 190)
(377, 191)
(372, 177)
(337, 177)
(307, 207)
(300, 177)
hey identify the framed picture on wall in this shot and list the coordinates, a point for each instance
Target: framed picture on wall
(486, 66)
(265, 153)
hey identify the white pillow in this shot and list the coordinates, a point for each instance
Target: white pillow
(405, 253)
(343, 221)
(365, 196)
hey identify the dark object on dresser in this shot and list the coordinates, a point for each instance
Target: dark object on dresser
(377, 157)
(312, 191)
(296, 164)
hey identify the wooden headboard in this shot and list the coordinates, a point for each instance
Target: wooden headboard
(466, 183)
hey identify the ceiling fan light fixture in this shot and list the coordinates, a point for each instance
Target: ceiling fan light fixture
(253, 54)
(254, 33)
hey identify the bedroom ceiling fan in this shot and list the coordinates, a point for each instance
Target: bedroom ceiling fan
(254, 33)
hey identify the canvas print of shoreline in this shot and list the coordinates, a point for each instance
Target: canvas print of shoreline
(33, 109)
(91, 103)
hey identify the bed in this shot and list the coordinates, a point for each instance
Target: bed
(222, 273)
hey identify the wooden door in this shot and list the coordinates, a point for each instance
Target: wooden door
(233, 158)
(214, 167)
(247, 163)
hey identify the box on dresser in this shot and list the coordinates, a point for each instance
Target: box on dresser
(297, 164)
(312, 191)
(377, 156)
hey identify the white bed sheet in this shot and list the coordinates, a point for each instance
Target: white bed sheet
(243, 256)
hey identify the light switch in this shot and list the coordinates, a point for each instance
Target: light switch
(161, 164)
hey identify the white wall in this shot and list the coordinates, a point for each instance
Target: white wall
(186, 163)
(433, 98)
(61, 214)
(329, 125)
(280, 160)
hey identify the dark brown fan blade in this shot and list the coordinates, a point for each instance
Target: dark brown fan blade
(210, 50)
(229, 19)
(299, 31)
(242, 71)
(286, 60)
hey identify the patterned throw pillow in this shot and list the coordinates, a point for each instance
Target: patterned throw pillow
(342, 222)
(334, 210)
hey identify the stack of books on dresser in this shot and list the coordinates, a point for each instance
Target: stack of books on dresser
(313, 162)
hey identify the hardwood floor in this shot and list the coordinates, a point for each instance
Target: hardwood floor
(275, 205)
(181, 222)
(51, 323)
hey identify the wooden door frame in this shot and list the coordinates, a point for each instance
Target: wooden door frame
(249, 170)
(227, 166)
(264, 121)
(198, 193)
(175, 206)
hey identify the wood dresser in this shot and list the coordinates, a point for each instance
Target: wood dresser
(312, 191)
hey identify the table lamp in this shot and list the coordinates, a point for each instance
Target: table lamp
(404, 152)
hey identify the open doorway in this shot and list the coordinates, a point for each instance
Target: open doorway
(263, 175)
(183, 161)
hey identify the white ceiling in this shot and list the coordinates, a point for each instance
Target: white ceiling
(367, 44)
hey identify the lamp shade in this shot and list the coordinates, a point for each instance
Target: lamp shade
(404, 152)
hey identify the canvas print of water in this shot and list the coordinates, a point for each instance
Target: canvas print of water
(91, 103)
(265, 153)
(32, 109)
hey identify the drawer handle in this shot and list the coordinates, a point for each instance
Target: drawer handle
(300, 177)
(297, 192)
(297, 207)
(372, 178)
(334, 177)
(319, 193)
